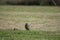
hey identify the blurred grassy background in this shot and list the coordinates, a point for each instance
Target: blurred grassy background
(39, 18)
(31, 8)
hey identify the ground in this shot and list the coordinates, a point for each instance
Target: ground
(44, 22)
(38, 17)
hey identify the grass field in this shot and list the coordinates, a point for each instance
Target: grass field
(44, 22)
(28, 35)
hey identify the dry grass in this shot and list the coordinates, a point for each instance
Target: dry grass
(37, 21)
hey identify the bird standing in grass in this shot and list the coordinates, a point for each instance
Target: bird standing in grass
(26, 26)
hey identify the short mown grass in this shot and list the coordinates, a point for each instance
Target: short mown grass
(28, 35)
(46, 18)
(31, 8)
